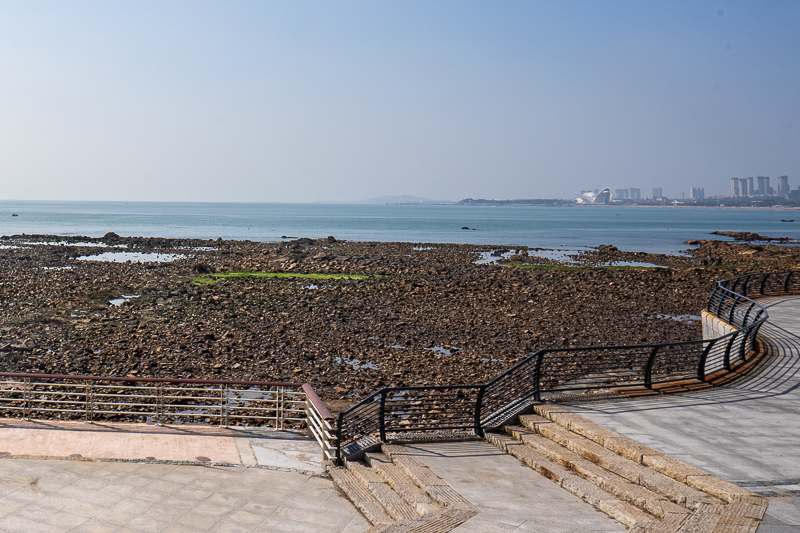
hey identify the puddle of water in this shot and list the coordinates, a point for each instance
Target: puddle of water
(122, 299)
(487, 360)
(57, 268)
(560, 255)
(83, 244)
(355, 364)
(440, 350)
(422, 248)
(493, 256)
(133, 257)
(688, 319)
(313, 286)
(398, 346)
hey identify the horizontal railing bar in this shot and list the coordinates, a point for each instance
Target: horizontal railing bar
(153, 380)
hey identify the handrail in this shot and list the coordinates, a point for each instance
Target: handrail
(152, 379)
(175, 400)
(399, 411)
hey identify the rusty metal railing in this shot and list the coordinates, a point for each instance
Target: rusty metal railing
(278, 405)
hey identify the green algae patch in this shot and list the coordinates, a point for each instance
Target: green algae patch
(210, 279)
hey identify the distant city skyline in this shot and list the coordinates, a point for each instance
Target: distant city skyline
(278, 101)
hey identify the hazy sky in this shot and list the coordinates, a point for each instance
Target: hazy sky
(341, 100)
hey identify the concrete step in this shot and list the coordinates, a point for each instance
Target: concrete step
(399, 494)
(584, 455)
(622, 511)
(650, 458)
(361, 497)
(403, 484)
(637, 485)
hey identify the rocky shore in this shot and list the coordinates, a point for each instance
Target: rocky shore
(416, 314)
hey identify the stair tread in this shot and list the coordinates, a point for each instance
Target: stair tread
(622, 511)
(634, 472)
(361, 497)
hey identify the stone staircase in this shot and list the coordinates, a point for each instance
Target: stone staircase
(645, 490)
(399, 494)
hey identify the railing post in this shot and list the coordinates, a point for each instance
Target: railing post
(478, 408)
(88, 398)
(719, 305)
(159, 403)
(747, 314)
(537, 374)
(223, 419)
(763, 283)
(726, 358)
(701, 367)
(743, 345)
(382, 416)
(786, 283)
(744, 286)
(26, 395)
(339, 421)
(733, 308)
(648, 370)
(711, 297)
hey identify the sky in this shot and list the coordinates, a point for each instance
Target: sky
(301, 101)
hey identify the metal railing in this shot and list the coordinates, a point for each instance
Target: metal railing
(402, 412)
(277, 405)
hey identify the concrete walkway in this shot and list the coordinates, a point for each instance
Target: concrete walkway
(510, 496)
(747, 432)
(251, 480)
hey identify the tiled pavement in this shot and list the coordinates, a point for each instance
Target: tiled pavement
(101, 496)
(271, 481)
(747, 432)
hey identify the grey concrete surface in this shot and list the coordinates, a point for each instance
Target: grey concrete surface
(747, 432)
(510, 496)
(98, 478)
(102, 496)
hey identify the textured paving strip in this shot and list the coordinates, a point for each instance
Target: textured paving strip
(509, 496)
(746, 432)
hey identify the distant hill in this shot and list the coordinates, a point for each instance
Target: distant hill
(530, 201)
(403, 199)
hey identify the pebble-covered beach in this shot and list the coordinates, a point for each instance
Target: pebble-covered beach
(406, 314)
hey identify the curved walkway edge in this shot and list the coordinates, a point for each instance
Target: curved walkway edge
(747, 432)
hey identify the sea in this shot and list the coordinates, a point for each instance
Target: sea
(648, 229)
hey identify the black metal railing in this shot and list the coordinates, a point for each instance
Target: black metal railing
(400, 412)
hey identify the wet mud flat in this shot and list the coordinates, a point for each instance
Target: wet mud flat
(347, 317)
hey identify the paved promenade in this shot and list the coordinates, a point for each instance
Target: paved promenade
(747, 432)
(251, 481)
(510, 496)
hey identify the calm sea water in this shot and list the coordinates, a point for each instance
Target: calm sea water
(660, 230)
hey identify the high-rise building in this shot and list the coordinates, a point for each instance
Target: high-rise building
(750, 188)
(743, 188)
(698, 193)
(657, 192)
(763, 186)
(634, 193)
(735, 187)
(621, 194)
(783, 185)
